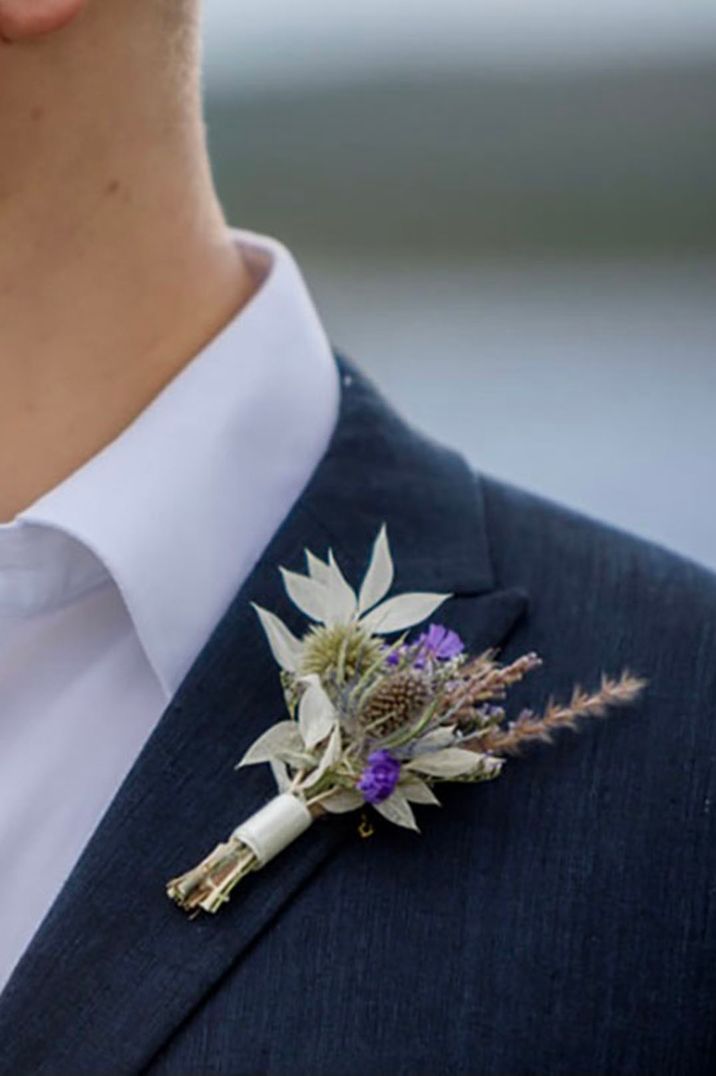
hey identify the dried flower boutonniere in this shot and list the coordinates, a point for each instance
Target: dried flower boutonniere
(372, 722)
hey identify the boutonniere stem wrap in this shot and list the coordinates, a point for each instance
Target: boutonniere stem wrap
(376, 719)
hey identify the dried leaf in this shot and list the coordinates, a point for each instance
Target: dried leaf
(316, 714)
(284, 736)
(280, 773)
(438, 738)
(452, 762)
(310, 596)
(417, 791)
(343, 801)
(402, 612)
(341, 602)
(285, 647)
(397, 810)
(317, 569)
(331, 754)
(379, 577)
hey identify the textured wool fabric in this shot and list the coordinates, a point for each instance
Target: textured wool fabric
(559, 920)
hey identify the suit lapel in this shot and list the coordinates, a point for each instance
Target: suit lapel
(114, 968)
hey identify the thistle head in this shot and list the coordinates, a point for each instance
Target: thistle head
(339, 653)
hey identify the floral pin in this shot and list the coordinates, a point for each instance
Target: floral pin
(373, 722)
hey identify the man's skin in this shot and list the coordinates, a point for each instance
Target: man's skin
(116, 265)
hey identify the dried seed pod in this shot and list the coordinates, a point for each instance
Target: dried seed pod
(398, 700)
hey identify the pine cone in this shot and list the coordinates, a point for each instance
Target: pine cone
(397, 701)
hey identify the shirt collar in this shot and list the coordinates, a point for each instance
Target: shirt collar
(180, 506)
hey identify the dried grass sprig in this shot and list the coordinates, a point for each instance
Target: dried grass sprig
(612, 693)
(485, 680)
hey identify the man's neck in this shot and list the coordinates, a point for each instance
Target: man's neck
(116, 267)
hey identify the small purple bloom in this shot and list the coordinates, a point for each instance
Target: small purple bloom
(440, 643)
(379, 777)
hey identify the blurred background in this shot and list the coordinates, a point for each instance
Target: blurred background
(506, 211)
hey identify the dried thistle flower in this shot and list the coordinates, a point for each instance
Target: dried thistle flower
(338, 653)
(396, 701)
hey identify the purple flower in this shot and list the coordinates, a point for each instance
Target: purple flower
(440, 643)
(437, 643)
(379, 777)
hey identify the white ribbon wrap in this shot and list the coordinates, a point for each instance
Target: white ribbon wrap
(274, 827)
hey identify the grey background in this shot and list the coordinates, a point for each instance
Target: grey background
(506, 216)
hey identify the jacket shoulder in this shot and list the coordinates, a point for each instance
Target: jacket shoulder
(603, 600)
(537, 542)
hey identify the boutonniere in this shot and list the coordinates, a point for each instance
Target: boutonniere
(376, 723)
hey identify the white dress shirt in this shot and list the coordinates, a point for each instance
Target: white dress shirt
(111, 583)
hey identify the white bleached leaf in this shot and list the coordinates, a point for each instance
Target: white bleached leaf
(309, 595)
(452, 762)
(433, 741)
(417, 791)
(341, 600)
(285, 647)
(331, 754)
(280, 774)
(317, 569)
(490, 766)
(379, 577)
(404, 611)
(397, 810)
(284, 736)
(316, 714)
(343, 801)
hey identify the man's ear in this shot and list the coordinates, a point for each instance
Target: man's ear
(21, 19)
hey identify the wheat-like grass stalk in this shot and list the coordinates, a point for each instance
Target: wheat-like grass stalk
(612, 693)
(485, 680)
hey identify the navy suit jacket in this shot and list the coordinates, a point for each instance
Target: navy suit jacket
(558, 920)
